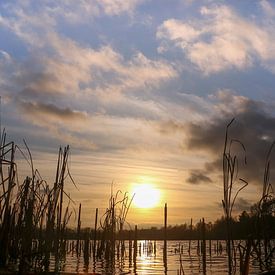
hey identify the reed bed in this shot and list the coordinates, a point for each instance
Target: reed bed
(258, 245)
(34, 217)
(230, 193)
(112, 224)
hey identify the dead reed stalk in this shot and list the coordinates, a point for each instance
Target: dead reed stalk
(230, 192)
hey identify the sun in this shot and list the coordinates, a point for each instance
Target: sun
(146, 196)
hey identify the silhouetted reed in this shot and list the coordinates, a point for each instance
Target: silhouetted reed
(230, 192)
(261, 243)
(32, 219)
(112, 222)
(258, 244)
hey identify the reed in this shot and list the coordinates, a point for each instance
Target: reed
(95, 233)
(165, 239)
(203, 246)
(32, 223)
(261, 242)
(112, 222)
(34, 216)
(191, 228)
(230, 192)
(78, 230)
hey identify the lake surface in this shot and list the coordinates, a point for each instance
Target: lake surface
(151, 259)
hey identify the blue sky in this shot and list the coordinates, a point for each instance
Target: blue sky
(130, 84)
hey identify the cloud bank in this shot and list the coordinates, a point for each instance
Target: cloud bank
(254, 126)
(221, 39)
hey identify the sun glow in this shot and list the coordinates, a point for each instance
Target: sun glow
(146, 196)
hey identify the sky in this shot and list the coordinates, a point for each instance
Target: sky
(142, 91)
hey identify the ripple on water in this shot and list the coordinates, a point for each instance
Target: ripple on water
(150, 259)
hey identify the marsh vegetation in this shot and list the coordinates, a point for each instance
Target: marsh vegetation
(35, 237)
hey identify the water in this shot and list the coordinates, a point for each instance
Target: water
(151, 259)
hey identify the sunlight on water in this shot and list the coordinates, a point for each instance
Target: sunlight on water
(150, 259)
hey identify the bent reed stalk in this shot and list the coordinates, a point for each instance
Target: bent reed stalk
(230, 193)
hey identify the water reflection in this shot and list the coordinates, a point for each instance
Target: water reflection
(150, 257)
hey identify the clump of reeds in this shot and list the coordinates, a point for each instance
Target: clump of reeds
(230, 192)
(112, 224)
(32, 215)
(259, 244)
(262, 243)
(8, 182)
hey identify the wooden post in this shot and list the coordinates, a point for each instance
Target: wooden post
(165, 222)
(95, 231)
(135, 249)
(199, 239)
(203, 247)
(165, 239)
(130, 249)
(78, 229)
(191, 228)
(86, 250)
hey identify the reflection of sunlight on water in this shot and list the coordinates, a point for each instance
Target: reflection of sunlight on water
(146, 264)
(149, 261)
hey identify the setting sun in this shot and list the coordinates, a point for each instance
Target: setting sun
(146, 196)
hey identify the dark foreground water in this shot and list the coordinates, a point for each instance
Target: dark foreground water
(150, 259)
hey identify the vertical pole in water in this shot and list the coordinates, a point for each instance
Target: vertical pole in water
(165, 239)
(228, 245)
(78, 230)
(130, 249)
(191, 228)
(199, 240)
(86, 250)
(165, 222)
(203, 247)
(135, 250)
(95, 231)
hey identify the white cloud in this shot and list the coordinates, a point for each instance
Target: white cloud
(5, 56)
(221, 39)
(73, 65)
(178, 32)
(267, 8)
(60, 74)
(115, 7)
(74, 12)
(65, 64)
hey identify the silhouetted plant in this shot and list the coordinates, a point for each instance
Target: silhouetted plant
(230, 192)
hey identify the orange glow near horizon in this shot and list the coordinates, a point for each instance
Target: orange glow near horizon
(146, 195)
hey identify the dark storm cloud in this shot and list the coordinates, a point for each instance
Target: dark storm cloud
(39, 84)
(197, 177)
(33, 108)
(253, 126)
(167, 127)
